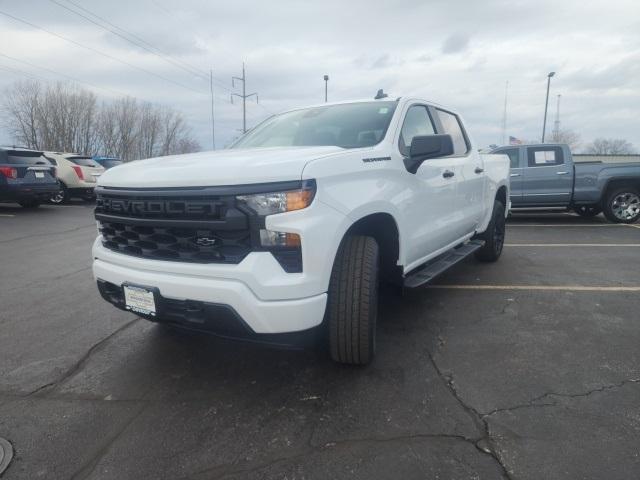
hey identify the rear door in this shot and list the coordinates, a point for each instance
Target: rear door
(31, 168)
(469, 171)
(547, 179)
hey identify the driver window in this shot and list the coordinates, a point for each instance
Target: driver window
(417, 122)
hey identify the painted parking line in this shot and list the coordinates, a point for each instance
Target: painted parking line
(572, 244)
(509, 225)
(6, 215)
(567, 288)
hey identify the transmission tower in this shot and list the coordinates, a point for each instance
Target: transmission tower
(244, 96)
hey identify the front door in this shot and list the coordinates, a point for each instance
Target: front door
(431, 204)
(516, 173)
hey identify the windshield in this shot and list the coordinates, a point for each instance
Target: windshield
(83, 161)
(18, 157)
(348, 125)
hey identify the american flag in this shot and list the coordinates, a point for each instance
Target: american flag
(514, 141)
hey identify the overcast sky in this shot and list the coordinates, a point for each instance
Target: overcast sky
(458, 53)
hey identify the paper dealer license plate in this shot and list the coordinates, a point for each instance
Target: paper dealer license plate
(139, 300)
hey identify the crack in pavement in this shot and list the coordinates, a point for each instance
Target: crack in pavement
(532, 403)
(77, 366)
(484, 444)
(92, 225)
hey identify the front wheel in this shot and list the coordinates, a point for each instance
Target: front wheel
(587, 211)
(352, 307)
(622, 205)
(493, 236)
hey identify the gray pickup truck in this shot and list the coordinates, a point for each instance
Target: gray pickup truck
(545, 176)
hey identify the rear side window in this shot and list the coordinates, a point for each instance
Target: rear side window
(544, 156)
(83, 161)
(452, 126)
(514, 156)
(14, 157)
(417, 122)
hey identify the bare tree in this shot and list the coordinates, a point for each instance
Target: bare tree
(610, 146)
(66, 118)
(569, 137)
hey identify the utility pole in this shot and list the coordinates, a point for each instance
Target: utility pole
(556, 124)
(244, 97)
(213, 129)
(546, 104)
(504, 114)
(326, 83)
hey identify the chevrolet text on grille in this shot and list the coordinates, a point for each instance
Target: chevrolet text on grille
(171, 207)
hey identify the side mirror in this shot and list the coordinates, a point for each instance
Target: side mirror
(424, 147)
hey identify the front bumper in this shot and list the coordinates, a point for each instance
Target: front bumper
(259, 316)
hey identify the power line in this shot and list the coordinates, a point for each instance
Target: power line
(63, 75)
(101, 53)
(140, 43)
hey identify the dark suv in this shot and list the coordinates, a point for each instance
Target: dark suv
(26, 177)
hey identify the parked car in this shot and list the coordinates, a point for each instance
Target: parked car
(77, 175)
(286, 235)
(545, 176)
(108, 162)
(26, 177)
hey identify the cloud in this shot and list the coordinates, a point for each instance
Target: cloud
(456, 52)
(458, 42)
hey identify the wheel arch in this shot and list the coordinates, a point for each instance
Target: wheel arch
(383, 227)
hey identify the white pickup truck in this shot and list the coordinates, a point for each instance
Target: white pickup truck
(285, 236)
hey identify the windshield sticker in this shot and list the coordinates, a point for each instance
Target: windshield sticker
(383, 110)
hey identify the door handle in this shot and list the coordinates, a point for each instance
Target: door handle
(448, 174)
(514, 175)
(479, 170)
(562, 173)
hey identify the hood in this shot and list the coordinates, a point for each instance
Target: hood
(222, 167)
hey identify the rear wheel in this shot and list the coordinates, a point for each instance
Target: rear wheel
(493, 236)
(60, 197)
(352, 307)
(622, 205)
(30, 203)
(587, 211)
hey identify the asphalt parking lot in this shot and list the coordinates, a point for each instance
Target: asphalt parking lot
(524, 369)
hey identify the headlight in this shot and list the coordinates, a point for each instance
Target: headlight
(279, 202)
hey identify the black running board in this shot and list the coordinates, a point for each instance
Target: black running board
(425, 274)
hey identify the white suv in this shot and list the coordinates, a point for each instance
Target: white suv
(285, 236)
(77, 175)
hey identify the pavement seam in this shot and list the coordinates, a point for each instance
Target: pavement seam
(47, 280)
(327, 446)
(77, 366)
(87, 469)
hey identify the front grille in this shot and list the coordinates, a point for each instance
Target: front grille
(183, 226)
(177, 243)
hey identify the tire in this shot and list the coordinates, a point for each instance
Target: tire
(61, 197)
(622, 205)
(493, 236)
(587, 211)
(352, 307)
(29, 203)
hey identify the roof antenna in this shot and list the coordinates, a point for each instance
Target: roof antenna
(380, 95)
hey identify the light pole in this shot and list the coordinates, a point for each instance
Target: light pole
(546, 104)
(326, 83)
